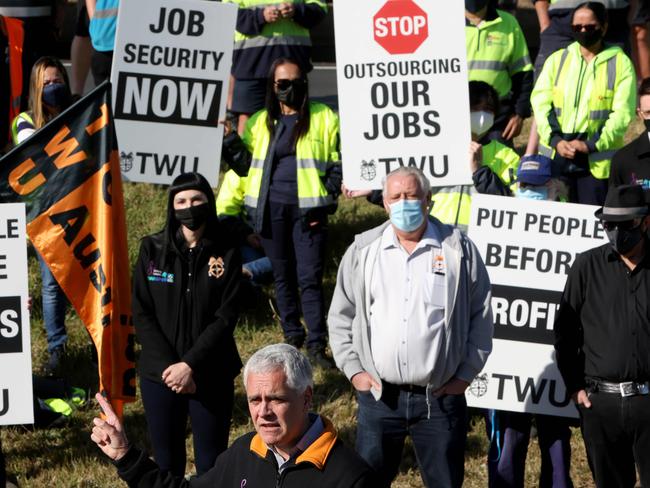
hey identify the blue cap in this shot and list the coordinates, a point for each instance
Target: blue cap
(534, 170)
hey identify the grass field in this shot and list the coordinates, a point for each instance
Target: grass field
(65, 457)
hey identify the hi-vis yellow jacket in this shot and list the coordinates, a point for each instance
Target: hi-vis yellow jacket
(593, 102)
(496, 50)
(318, 170)
(452, 204)
(258, 43)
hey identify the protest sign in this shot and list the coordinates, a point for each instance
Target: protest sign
(66, 175)
(403, 90)
(16, 402)
(170, 82)
(528, 247)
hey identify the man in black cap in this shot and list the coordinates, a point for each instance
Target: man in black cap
(602, 340)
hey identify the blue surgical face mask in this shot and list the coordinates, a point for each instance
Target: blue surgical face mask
(56, 95)
(533, 193)
(406, 215)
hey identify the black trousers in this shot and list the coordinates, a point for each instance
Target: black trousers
(100, 66)
(166, 413)
(297, 254)
(616, 433)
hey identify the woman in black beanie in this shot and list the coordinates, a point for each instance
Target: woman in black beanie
(185, 309)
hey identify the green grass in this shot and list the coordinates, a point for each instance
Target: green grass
(66, 457)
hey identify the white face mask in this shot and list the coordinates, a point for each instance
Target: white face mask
(481, 122)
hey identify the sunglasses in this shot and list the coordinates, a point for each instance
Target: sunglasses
(586, 27)
(283, 84)
(625, 225)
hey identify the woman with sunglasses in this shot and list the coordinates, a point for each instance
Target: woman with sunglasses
(292, 150)
(583, 102)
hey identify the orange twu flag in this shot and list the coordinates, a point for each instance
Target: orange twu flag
(68, 176)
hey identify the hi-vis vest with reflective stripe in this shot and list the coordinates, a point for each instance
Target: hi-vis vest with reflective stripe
(452, 204)
(15, 38)
(316, 152)
(24, 9)
(496, 50)
(14, 125)
(283, 32)
(592, 101)
(103, 24)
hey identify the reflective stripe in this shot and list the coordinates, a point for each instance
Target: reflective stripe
(571, 4)
(520, 64)
(491, 65)
(558, 111)
(599, 114)
(311, 202)
(313, 164)
(611, 73)
(601, 156)
(26, 11)
(304, 202)
(257, 163)
(447, 189)
(261, 41)
(545, 151)
(105, 14)
(263, 5)
(565, 53)
(555, 4)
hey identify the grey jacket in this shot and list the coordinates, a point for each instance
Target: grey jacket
(468, 317)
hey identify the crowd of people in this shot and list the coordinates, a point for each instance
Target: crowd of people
(410, 323)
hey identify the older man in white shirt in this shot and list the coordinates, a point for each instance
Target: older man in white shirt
(410, 326)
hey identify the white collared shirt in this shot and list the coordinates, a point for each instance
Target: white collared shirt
(407, 311)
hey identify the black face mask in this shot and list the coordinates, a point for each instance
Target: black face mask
(646, 122)
(193, 217)
(294, 94)
(588, 39)
(474, 6)
(623, 241)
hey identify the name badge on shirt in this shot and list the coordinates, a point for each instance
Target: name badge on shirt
(438, 265)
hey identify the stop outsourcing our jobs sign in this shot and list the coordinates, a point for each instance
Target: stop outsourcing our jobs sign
(402, 86)
(16, 405)
(171, 67)
(528, 248)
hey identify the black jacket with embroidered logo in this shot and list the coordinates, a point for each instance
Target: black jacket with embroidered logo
(326, 463)
(185, 305)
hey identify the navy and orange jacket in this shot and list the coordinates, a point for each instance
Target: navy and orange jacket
(326, 463)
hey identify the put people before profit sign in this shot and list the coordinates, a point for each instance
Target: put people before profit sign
(528, 248)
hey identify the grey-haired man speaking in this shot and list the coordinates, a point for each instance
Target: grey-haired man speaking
(291, 448)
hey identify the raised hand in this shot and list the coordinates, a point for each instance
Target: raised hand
(108, 434)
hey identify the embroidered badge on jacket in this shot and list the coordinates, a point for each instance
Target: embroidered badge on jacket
(158, 275)
(216, 268)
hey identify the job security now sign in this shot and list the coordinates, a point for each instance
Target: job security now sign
(171, 67)
(528, 248)
(16, 405)
(402, 86)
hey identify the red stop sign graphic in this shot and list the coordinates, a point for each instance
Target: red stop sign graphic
(400, 26)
